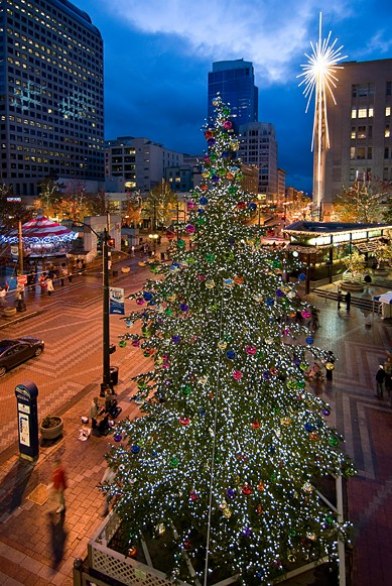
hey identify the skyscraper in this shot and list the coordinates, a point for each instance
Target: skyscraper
(258, 146)
(235, 82)
(360, 126)
(51, 95)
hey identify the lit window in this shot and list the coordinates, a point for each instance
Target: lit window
(388, 111)
(387, 132)
(354, 113)
(362, 113)
(371, 112)
(353, 133)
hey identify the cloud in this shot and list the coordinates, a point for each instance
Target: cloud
(379, 43)
(269, 34)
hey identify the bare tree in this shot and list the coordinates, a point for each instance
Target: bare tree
(363, 202)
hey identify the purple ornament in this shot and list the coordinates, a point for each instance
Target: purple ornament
(176, 339)
(184, 307)
(266, 375)
(230, 493)
(117, 437)
(247, 531)
(326, 411)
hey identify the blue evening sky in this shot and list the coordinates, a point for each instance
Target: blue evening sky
(158, 54)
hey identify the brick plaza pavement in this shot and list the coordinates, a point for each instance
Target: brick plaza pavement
(366, 422)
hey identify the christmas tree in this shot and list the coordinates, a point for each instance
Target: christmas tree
(224, 460)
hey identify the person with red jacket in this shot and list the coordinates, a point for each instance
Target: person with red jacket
(59, 483)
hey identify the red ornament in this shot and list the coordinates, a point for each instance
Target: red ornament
(132, 551)
(136, 343)
(237, 375)
(246, 489)
(193, 496)
(140, 301)
(251, 350)
(187, 544)
(184, 421)
(241, 205)
(255, 424)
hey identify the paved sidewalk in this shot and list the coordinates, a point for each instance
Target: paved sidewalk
(26, 535)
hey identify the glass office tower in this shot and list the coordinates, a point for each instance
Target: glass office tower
(235, 82)
(51, 94)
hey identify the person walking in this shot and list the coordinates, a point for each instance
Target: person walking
(3, 295)
(107, 479)
(59, 484)
(49, 285)
(380, 381)
(347, 299)
(340, 299)
(63, 273)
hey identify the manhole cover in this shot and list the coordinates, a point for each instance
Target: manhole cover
(39, 495)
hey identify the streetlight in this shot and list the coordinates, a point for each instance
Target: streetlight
(260, 197)
(154, 237)
(106, 380)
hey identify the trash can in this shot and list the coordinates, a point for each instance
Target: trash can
(114, 375)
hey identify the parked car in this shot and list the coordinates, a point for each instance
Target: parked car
(14, 352)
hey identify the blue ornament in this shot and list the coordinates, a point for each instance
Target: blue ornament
(200, 211)
(269, 302)
(279, 293)
(230, 354)
(203, 201)
(309, 340)
(309, 426)
(154, 453)
(202, 412)
(230, 493)
(252, 206)
(271, 450)
(135, 449)
(302, 277)
(176, 339)
(147, 295)
(266, 375)
(247, 532)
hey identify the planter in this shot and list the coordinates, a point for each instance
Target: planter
(9, 311)
(51, 427)
(351, 286)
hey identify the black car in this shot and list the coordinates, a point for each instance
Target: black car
(14, 352)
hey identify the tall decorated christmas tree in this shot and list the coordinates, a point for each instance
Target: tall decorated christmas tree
(223, 463)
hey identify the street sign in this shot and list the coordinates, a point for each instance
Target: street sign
(14, 251)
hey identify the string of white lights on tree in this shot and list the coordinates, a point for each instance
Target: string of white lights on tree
(220, 472)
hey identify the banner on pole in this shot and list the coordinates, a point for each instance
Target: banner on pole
(116, 301)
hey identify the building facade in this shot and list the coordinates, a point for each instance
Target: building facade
(360, 126)
(138, 163)
(258, 146)
(234, 81)
(51, 95)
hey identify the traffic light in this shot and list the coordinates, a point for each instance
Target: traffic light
(111, 242)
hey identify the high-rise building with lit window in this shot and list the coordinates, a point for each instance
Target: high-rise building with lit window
(234, 81)
(51, 95)
(138, 163)
(360, 126)
(259, 147)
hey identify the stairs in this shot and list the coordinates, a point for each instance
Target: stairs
(365, 303)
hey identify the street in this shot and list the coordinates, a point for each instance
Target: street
(70, 323)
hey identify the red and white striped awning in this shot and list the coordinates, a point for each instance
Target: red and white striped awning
(41, 227)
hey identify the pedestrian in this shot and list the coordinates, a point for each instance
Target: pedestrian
(347, 299)
(380, 381)
(107, 480)
(99, 419)
(43, 283)
(63, 273)
(388, 376)
(49, 285)
(340, 299)
(3, 295)
(59, 484)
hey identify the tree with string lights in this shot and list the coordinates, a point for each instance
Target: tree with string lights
(220, 472)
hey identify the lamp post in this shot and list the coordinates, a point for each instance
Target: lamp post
(105, 307)
(260, 197)
(21, 279)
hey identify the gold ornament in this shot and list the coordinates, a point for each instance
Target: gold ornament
(222, 345)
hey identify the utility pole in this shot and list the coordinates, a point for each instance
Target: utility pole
(105, 314)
